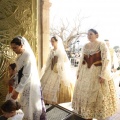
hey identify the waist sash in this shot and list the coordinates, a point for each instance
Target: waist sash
(93, 59)
(54, 61)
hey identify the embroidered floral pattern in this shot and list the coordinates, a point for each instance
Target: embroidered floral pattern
(92, 99)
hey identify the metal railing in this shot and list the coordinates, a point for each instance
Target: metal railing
(74, 61)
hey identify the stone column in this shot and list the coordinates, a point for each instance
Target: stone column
(44, 36)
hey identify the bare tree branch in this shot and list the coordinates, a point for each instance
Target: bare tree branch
(67, 32)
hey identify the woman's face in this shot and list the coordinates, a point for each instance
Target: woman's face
(11, 71)
(53, 42)
(92, 36)
(16, 48)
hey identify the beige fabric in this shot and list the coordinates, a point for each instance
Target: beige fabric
(55, 68)
(91, 99)
(55, 89)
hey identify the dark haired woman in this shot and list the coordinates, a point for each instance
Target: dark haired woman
(11, 110)
(12, 71)
(57, 81)
(27, 81)
(94, 95)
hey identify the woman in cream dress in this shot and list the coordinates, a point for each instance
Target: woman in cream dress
(94, 95)
(56, 81)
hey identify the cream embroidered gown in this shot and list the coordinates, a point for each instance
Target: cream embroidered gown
(56, 82)
(92, 99)
(29, 87)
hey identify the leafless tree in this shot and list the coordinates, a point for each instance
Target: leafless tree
(67, 30)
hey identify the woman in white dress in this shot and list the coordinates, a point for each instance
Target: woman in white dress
(27, 89)
(94, 95)
(57, 80)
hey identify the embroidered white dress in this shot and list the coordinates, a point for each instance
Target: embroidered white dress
(57, 84)
(29, 87)
(92, 99)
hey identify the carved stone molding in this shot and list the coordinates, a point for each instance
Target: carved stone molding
(17, 17)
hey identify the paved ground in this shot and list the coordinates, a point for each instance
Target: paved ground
(114, 117)
(57, 112)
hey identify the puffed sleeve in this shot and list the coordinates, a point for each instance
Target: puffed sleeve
(26, 75)
(106, 62)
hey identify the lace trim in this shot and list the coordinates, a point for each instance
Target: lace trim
(92, 48)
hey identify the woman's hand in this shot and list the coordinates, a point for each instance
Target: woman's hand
(14, 95)
(101, 80)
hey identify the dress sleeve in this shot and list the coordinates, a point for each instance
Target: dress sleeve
(25, 77)
(106, 62)
(45, 67)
